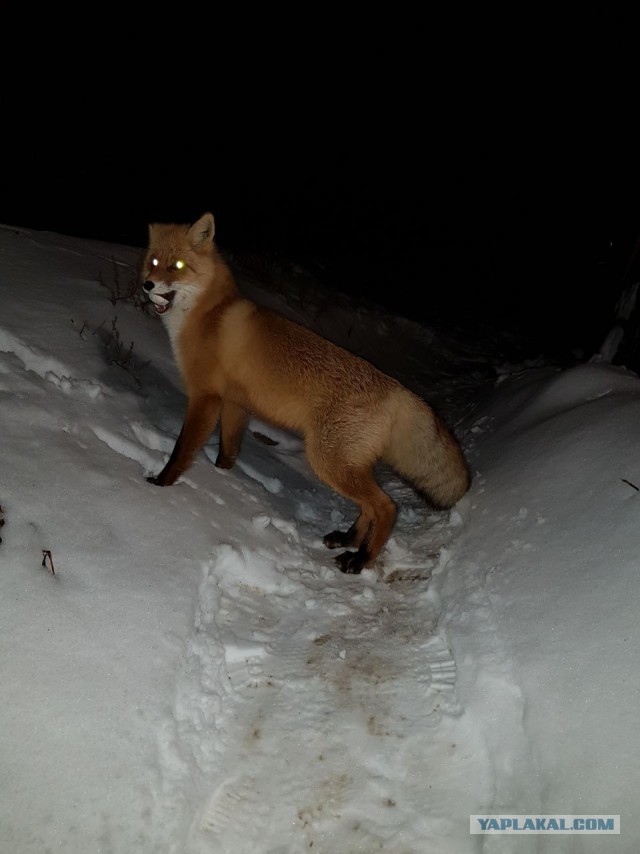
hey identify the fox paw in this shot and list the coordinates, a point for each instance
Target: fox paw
(225, 462)
(339, 539)
(350, 563)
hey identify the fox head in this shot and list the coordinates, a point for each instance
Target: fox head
(179, 259)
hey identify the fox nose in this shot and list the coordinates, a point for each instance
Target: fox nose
(148, 285)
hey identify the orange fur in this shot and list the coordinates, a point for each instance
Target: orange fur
(236, 358)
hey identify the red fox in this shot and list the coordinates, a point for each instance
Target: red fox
(237, 358)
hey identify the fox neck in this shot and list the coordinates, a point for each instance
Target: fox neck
(198, 297)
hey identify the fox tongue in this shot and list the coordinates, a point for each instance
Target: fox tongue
(162, 302)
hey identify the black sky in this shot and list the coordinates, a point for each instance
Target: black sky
(476, 163)
(468, 219)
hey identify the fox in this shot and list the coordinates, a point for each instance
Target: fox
(238, 359)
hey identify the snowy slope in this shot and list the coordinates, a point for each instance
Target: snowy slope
(197, 676)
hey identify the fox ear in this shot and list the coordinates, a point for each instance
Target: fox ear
(202, 231)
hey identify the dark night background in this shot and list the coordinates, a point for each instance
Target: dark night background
(464, 216)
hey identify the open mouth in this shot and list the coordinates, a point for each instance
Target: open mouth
(162, 303)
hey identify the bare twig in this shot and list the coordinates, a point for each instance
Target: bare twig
(632, 485)
(1, 519)
(121, 355)
(128, 291)
(117, 352)
(82, 328)
(46, 556)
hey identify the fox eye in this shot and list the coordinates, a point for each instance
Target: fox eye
(154, 262)
(178, 265)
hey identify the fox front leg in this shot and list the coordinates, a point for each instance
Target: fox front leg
(233, 420)
(200, 420)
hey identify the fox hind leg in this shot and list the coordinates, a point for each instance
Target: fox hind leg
(373, 526)
(347, 539)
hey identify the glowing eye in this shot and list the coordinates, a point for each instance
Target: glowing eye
(154, 261)
(179, 265)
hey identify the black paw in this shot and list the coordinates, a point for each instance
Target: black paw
(350, 563)
(338, 540)
(155, 480)
(225, 462)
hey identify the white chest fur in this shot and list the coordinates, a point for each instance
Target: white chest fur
(175, 318)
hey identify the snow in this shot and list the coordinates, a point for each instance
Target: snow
(197, 675)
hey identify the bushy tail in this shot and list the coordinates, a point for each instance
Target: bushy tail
(425, 452)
